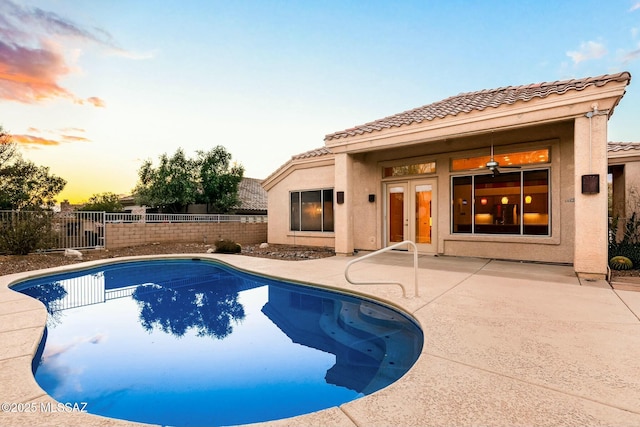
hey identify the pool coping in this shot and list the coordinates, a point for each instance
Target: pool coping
(457, 380)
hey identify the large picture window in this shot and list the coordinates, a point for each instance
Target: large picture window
(311, 210)
(508, 203)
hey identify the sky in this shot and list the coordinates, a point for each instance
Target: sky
(92, 89)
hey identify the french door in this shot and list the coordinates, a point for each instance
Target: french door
(410, 213)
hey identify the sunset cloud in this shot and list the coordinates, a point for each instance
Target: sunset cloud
(78, 130)
(33, 58)
(588, 50)
(36, 138)
(97, 102)
(31, 140)
(73, 138)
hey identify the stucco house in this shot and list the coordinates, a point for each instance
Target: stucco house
(517, 172)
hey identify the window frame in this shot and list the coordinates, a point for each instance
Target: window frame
(324, 220)
(521, 204)
(408, 163)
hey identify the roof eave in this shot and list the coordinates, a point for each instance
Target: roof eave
(296, 164)
(553, 108)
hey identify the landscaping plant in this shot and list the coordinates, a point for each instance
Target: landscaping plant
(227, 246)
(24, 232)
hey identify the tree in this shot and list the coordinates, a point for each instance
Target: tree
(219, 179)
(179, 181)
(107, 202)
(24, 185)
(171, 186)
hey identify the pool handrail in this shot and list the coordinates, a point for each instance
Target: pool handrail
(385, 249)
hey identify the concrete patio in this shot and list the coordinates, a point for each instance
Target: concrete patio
(505, 344)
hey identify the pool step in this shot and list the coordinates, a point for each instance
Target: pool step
(330, 325)
(365, 328)
(364, 319)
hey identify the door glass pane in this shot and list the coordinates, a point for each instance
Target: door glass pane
(423, 213)
(396, 214)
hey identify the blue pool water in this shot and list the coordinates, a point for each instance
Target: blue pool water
(197, 343)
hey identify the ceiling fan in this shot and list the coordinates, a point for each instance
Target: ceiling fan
(494, 166)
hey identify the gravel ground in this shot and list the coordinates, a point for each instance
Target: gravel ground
(625, 273)
(10, 264)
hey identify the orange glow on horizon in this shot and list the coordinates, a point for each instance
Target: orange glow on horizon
(77, 195)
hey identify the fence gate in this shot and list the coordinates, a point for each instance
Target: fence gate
(79, 230)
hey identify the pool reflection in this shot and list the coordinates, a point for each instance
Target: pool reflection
(50, 295)
(208, 311)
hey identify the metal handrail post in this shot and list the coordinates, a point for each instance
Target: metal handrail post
(379, 251)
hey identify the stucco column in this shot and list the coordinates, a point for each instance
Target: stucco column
(591, 224)
(343, 212)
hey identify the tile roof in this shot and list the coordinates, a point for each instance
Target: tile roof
(616, 147)
(467, 102)
(251, 195)
(322, 151)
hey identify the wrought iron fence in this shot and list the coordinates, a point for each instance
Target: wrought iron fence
(158, 217)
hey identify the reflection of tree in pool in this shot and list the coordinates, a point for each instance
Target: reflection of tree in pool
(48, 294)
(209, 310)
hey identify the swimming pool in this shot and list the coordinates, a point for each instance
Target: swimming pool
(190, 342)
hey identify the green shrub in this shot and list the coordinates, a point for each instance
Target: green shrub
(227, 247)
(620, 263)
(24, 232)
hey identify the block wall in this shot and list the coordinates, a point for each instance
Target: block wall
(119, 235)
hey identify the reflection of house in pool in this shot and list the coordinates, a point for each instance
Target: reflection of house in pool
(369, 356)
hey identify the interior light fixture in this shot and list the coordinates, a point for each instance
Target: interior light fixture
(505, 200)
(527, 199)
(483, 201)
